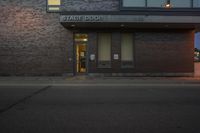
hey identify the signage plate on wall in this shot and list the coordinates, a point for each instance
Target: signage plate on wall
(101, 18)
(129, 19)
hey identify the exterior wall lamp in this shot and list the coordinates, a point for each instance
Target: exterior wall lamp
(168, 4)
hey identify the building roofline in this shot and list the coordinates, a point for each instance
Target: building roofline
(137, 12)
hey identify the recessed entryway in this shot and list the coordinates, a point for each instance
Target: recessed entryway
(81, 52)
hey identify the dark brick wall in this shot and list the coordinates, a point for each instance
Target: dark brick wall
(164, 51)
(116, 49)
(155, 51)
(90, 5)
(92, 49)
(33, 42)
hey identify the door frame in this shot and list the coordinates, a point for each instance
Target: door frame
(74, 54)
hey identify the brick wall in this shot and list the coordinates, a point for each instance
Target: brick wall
(156, 51)
(90, 5)
(197, 69)
(33, 42)
(165, 51)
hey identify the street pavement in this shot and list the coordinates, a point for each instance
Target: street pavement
(99, 105)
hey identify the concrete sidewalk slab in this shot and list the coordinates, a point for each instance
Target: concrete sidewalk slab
(96, 80)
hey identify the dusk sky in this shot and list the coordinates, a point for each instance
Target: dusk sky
(197, 40)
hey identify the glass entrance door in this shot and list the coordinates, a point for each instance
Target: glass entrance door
(81, 52)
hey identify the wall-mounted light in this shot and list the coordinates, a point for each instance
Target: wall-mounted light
(168, 4)
(122, 25)
(73, 25)
(53, 5)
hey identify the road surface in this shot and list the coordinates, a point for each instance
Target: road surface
(79, 108)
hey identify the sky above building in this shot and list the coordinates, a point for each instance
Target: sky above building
(197, 40)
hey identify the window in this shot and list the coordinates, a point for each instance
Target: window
(196, 3)
(156, 3)
(160, 3)
(53, 5)
(127, 50)
(133, 3)
(104, 50)
(181, 3)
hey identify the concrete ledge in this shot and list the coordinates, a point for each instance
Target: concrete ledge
(68, 74)
(143, 74)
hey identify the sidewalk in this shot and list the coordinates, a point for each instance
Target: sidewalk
(96, 80)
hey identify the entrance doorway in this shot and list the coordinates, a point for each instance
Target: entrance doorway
(81, 41)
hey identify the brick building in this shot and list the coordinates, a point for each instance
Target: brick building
(110, 37)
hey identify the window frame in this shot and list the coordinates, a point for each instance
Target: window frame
(192, 8)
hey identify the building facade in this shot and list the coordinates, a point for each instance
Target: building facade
(98, 37)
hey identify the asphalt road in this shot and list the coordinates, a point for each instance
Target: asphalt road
(100, 109)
